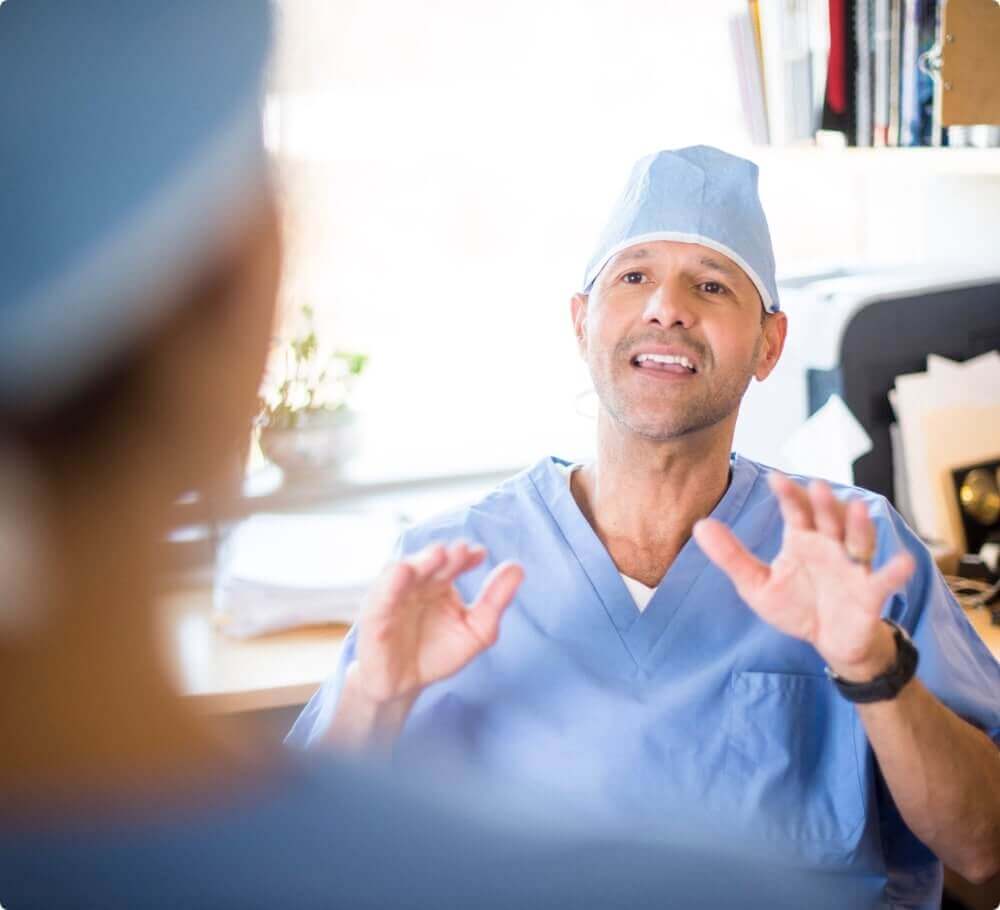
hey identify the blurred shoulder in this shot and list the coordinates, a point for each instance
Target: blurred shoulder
(878, 505)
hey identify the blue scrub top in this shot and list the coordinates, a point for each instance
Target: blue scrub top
(694, 704)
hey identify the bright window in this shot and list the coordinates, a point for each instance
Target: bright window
(447, 167)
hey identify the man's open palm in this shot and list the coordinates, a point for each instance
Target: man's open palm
(416, 629)
(820, 587)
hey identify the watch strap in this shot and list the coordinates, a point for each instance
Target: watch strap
(889, 684)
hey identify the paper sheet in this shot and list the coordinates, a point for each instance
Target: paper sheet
(937, 364)
(827, 444)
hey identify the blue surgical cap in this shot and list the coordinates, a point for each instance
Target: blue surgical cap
(131, 144)
(693, 195)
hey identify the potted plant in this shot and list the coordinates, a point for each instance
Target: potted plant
(305, 420)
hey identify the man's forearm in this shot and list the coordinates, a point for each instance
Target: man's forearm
(360, 723)
(944, 775)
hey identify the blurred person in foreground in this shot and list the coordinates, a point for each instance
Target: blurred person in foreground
(139, 261)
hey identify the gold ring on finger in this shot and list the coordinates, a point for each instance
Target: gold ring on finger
(860, 559)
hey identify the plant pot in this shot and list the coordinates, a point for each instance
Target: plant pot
(320, 443)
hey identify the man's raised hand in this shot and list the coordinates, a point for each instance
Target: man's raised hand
(415, 628)
(820, 587)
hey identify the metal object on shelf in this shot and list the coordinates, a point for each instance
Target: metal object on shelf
(979, 496)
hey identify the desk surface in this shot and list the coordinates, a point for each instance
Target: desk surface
(225, 675)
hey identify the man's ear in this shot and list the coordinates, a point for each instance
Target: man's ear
(775, 328)
(578, 310)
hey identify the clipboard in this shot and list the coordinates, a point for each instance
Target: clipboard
(967, 67)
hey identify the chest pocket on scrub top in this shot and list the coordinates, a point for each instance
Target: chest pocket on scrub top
(792, 757)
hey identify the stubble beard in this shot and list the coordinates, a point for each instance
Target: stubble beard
(695, 410)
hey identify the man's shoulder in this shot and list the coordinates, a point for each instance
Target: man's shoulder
(892, 530)
(506, 506)
(879, 506)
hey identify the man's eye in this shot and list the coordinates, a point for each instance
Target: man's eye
(713, 287)
(633, 277)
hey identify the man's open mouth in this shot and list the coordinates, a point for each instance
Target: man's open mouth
(669, 363)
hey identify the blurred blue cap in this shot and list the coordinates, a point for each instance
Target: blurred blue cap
(699, 195)
(131, 145)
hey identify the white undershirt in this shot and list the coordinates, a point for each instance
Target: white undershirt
(641, 594)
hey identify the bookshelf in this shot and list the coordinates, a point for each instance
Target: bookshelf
(883, 73)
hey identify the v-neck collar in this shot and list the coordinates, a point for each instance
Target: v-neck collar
(638, 631)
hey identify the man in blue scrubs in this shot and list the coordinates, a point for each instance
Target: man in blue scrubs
(681, 625)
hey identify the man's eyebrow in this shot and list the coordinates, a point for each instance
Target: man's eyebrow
(641, 252)
(711, 263)
(637, 252)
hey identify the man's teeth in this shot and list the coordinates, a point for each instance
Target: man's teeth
(666, 358)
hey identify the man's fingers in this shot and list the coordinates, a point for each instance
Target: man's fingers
(722, 546)
(891, 577)
(391, 589)
(793, 502)
(859, 536)
(428, 561)
(473, 557)
(461, 558)
(828, 511)
(454, 556)
(494, 597)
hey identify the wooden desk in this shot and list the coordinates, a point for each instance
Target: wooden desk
(222, 675)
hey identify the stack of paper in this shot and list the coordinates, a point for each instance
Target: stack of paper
(282, 571)
(948, 417)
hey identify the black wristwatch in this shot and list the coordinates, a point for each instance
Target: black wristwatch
(890, 683)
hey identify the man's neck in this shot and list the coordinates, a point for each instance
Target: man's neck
(643, 497)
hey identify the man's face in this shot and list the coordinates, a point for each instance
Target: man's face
(661, 302)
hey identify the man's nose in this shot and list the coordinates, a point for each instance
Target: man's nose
(669, 306)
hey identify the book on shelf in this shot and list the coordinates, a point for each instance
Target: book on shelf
(895, 62)
(787, 54)
(881, 44)
(841, 69)
(744, 42)
(864, 92)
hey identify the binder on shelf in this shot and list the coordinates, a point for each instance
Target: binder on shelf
(968, 83)
(881, 42)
